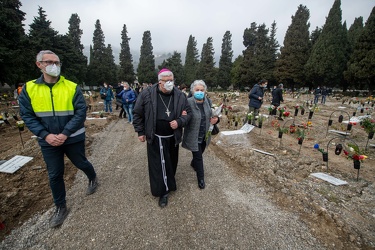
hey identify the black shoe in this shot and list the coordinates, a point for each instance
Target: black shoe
(58, 216)
(93, 184)
(163, 200)
(201, 184)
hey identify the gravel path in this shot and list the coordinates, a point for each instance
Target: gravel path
(231, 213)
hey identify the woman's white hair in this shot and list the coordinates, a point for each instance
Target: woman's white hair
(198, 82)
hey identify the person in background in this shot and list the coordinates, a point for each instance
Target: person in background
(128, 98)
(183, 88)
(317, 93)
(107, 92)
(277, 97)
(54, 110)
(324, 94)
(118, 89)
(256, 98)
(159, 115)
(195, 132)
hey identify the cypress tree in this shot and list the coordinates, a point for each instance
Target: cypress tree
(191, 61)
(355, 31)
(111, 68)
(174, 63)
(225, 63)
(96, 73)
(236, 73)
(294, 54)
(13, 53)
(207, 65)
(146, 68)
(126, 59)
(362, 64)
(328, 57)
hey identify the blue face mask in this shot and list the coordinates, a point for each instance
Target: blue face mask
(199, 95)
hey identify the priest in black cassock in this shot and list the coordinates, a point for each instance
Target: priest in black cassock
(159, 114)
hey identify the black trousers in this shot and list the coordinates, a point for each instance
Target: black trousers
(197, 161)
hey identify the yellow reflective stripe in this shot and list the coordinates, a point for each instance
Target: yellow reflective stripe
(57, 113)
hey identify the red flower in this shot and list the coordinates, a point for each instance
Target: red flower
(346, 152)
(355, 157)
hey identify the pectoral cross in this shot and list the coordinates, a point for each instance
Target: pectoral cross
(168, 112)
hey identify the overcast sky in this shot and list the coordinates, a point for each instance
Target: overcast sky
(172, 22)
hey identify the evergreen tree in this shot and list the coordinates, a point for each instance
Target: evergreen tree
(75, 64)
(174, 63)
(146, 67)
(272, 55)
(361, 66)
(191, 61)
(111, 73)
(14, 57)
(314, 36)
(126, 59)
(294, 54)
(259, 55)
(236, 73)
(225, 62)
(97, 71)
(354, 32)
(41, 37)
(207, 65)
(328, 57)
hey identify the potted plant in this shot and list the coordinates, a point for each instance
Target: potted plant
(354, 153)
(324, 154)
(300, 135)
(250, 117)
(282, 131)
(20, 125)
(261, 119)
(296, 108)
(369, 126)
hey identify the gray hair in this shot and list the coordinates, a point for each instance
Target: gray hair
(198, 82)
(125, 84)
(165, 73)
(39, 56)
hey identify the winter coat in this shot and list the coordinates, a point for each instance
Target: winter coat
(191, 131)
(145, 111)
(109, 94)
(256, 92)
(277, 97)
(56, 109)
(127, 94)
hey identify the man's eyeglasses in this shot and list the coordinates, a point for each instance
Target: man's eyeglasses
(51, 63)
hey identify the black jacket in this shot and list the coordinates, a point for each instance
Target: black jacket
(256, 92)
(277, 97)
(145, 110)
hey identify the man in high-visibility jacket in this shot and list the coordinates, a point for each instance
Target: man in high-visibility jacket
(54, 109)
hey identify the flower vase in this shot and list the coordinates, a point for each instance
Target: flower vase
(270, 113)
(280, 134)
(280, 114)
(338, 149)
(311, 114)
(302, 111)
(325, 156)
(357, 164)
(15, 118)
(236, 123)
(260, 124)
(226, 112)
(354, 113)
(295, 112)
(341, 118)
(300, 141)
(362, 110)
(21, 125)
(349, 127)
(371, 135)
(330, 122)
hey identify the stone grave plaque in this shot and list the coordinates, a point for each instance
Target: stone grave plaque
(14, 164)
(330, 179)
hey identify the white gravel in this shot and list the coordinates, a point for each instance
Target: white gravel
(231, 213)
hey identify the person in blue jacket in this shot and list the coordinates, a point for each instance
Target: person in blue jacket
(128, 99)
(107, 92)
(256, 98)
(54, 109)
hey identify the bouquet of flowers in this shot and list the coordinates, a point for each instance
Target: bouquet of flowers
(352, 152)
(215, 112)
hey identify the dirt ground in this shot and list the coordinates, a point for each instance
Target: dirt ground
(344, 215)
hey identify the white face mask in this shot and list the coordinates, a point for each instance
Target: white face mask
(53, 70)
(168, 85)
